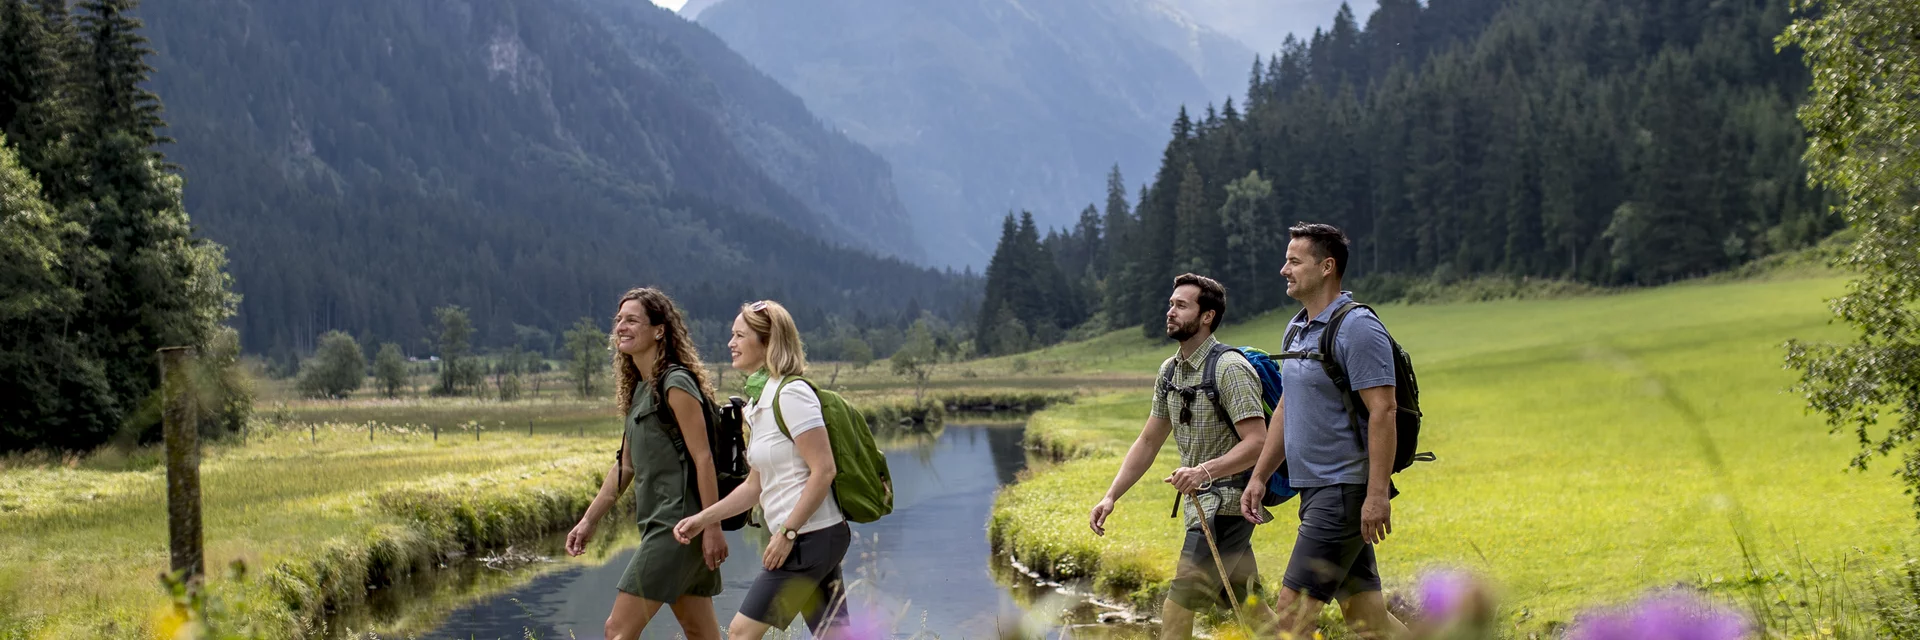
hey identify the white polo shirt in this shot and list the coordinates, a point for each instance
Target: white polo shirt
(783, 473)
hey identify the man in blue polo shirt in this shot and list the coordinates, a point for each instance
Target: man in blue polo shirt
(1343, 476)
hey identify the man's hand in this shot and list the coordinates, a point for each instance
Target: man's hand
(1098, 520)
(1376, 519)
(1250, 501)
(1188, 479)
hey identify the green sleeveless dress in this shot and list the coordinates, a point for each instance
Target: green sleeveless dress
(664, 492)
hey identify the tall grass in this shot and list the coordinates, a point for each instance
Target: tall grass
(315, 516)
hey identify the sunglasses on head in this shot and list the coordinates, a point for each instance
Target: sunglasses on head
(758, 306)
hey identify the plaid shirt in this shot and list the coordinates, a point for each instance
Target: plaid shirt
(1210, 435)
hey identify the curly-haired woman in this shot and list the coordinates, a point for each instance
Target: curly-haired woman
(664, 393)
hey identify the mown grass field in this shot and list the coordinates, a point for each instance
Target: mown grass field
(1590, 448)
(81, 546)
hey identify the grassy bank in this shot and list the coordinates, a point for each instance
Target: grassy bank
(316, 516)
(1589, 448)
(314, 523)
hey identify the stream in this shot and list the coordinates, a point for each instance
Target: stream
(927, 565)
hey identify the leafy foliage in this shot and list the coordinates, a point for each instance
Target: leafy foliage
(390, 370)
(588, 351)
(459, 371)
(915, 359)
(1863, 122)
(102, 265)
(337, 369)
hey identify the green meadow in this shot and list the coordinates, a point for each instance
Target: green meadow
(314, 515)
(1589, 449)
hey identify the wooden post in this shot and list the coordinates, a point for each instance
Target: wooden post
(436, 433)
(529, 426)
(184, 540)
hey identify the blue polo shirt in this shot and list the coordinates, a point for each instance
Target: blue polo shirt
(1322, 449)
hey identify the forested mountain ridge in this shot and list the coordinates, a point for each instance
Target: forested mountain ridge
(1600, 141)
(828, 171)
(367, 161)
(987, 106)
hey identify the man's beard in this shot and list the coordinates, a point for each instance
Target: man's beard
(1182, 332)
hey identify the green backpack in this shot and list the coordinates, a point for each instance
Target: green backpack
(861, 484)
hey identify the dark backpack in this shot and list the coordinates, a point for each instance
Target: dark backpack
(726, 436)
(1267, 372)
(1406, 387)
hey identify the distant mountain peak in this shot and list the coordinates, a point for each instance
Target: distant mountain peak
(693, 8)
(989, 106)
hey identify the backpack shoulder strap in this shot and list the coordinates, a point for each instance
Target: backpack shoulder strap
(1164, 383)
(673, 431)
(1210, 376)
(779, 419)
(1338, 373)
(1294, 327)
(1328, 341)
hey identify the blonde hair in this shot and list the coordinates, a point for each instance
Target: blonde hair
(786, 354)
(676, 348)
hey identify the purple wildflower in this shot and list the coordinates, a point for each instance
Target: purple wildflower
(864, 623)
(1443, 592)
(1665, 616)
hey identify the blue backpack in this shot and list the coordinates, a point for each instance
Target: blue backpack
(1279, 490)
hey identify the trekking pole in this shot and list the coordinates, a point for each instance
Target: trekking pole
(1206, 529)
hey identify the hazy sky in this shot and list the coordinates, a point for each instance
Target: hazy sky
(671, 4)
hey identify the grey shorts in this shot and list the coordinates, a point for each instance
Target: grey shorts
(1331, 560)
(807, 584)
(1196, 583)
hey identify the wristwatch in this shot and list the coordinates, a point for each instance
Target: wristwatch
(782, 530)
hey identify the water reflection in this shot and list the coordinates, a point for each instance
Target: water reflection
(929, 560)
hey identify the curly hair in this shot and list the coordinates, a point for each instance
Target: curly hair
(676, 348)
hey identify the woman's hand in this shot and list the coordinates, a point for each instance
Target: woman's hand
(690, 527)
(714, 547)
(776, 554)
(578, 537)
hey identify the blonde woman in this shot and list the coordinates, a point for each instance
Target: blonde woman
(791, 479)
(663, 392)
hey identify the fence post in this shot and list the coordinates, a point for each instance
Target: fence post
(185, 542)
(529, 426)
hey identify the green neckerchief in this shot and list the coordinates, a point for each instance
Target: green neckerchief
(756, 383)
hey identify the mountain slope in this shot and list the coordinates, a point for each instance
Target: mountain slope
(367, 161)
(1265, 24)
(829, 172)
(986, 106)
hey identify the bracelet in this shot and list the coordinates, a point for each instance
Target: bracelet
(1209, 483)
